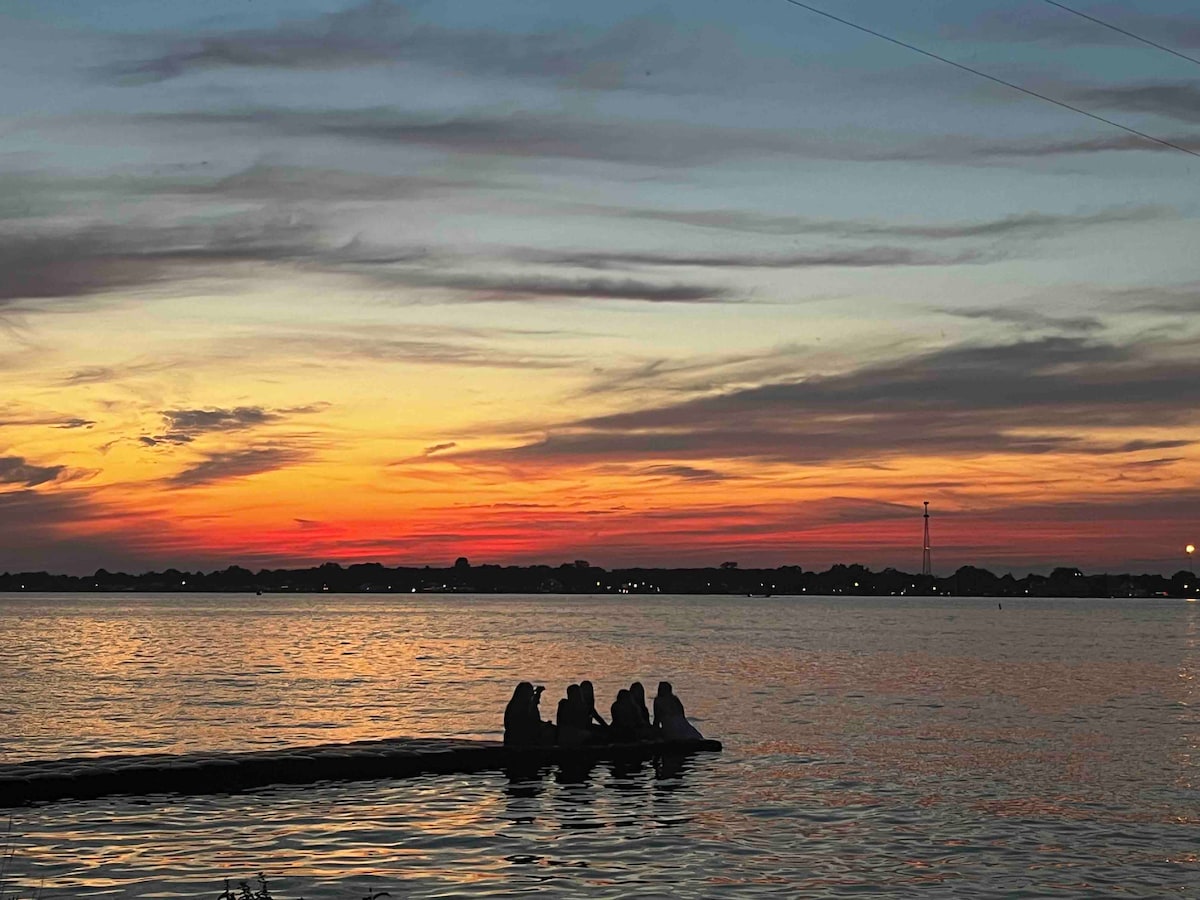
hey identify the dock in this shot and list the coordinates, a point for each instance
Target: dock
(87, 778)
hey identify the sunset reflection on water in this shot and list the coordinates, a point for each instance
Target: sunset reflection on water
(938, 747)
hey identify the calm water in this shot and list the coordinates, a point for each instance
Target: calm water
(932, 748)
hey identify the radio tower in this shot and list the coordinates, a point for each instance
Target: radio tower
(926, 563)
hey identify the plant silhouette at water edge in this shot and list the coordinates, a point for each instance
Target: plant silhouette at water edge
(263, 891)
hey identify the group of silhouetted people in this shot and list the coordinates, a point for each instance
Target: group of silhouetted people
(577, 722)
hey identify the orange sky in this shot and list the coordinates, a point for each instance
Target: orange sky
(377, 282)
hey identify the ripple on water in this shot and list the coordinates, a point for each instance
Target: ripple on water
(925, 749)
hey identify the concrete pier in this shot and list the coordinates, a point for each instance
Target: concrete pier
(86, 778)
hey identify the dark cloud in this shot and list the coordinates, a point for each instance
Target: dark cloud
(298, 184)
(199, 421)
(15, 470)
(72, 531)
(1024, 225)
(243, 463)
(1029, 319)
(183, 426)
(502, 288)
(96, 260)
(1161, 462)
(866, 257)
(644, 54)
(10, 418)
(523, 134)
(1174, 100)
(105, 374)
(429, 452)
(655, 144)
(1037, 23)
(967, 151)
(1139, 446)
(105, 258)
(1181, 299)
(685, 473)
(1030, 397)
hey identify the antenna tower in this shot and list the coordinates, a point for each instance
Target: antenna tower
(926, 563)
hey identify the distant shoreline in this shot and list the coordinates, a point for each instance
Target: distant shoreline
(581, 578)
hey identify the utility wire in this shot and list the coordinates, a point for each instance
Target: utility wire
(1119, 30)
(993, 78)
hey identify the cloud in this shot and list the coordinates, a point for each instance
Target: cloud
(1034, 23)
(233, 464)
(1139, 446)
(649, 143)
(299, 184)
(684, 473)
(1174, 100)
(1029, 397)
(183, 426)
(523, 134)
(1168, 299)
(645, 54)
(199, 421)
(15, 470)
(101, 258)
(1028, 319)
(867, 257)
(14, 417)
(503, 288)
(1023, 225)
(97, 259)
(438, 448)
(1159, 463)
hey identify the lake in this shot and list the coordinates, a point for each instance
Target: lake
(888, 746)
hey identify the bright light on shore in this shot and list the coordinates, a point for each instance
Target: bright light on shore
(1190, 548)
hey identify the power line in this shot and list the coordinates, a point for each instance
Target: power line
(993, 78)
(1120, 30)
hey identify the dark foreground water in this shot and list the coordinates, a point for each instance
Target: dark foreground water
(920, 748)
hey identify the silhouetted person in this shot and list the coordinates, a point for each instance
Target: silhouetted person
(638, 694)
(573, 719)
(626, 721)
(669, 717)
(595, 722)
(523, 725)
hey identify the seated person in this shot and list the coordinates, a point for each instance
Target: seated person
(626, 721)
(574, 724)
(638, 694)
(523, 725)
(669, 717)
(597, 724)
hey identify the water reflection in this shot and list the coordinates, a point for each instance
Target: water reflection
(1051, 751)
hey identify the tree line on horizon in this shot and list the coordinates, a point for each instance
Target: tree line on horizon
(581, 578)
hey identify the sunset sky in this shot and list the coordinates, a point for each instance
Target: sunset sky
(660, 283)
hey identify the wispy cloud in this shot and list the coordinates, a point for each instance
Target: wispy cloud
(183, 426)
(95, 259)
(643, 54)
(684, 473)
(862, 258)
(17, 470)
(1038, 23)
(658, 144)
(1023, 225)
(234, 464)
(1028, 319)
(1174, 100)
(17, 417)
(1030, 397)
